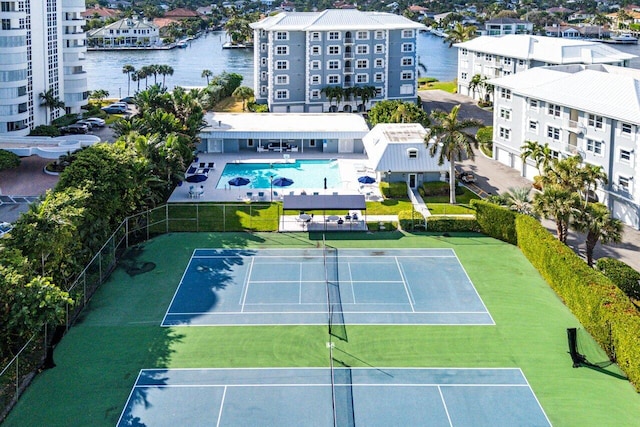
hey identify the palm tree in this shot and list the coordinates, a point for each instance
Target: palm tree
(460, 33)
(474, 84)
(51, 102)
(449, 138)
(541, 154)
(559, 204)
(596, 221)
(518, 200)
(365, 93)
(206, 74)
(99, 95)
(128, 69)
(244, 93)
(165, 70)
(401, 114)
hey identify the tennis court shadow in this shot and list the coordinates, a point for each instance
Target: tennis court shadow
(385, 235)
(346, 364)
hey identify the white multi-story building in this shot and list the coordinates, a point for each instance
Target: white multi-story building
(41, 48)
(504, 26)
(128, 32)
(494, 57)
(298, 56)
(590, 110)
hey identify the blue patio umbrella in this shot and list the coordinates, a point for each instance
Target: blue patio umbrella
(366, 180)
(196, 178)
(238, 181)
(282, 182)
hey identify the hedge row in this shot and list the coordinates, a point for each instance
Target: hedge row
(411, 220)
(603, 309)
(394, 190)
(449, 223)
(622, 275)
(496, 221)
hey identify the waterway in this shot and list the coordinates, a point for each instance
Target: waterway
(104, 68)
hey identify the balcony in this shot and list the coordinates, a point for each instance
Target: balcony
(348, 70)
(348, 55)
(574, 126)
(348, 84)
(572, 150)
(348, 40)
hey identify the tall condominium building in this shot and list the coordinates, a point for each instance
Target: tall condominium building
(42, 48)
(335, 60)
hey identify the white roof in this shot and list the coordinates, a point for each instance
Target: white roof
(388, 146)
(335, 19)
(286, 125)
(599, 89)
(552, 50)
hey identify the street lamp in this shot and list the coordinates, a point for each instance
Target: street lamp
(271, 192)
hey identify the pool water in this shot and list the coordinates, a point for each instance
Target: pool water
(306, 174)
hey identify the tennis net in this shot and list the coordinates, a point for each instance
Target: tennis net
(341, 395)
(337, 326)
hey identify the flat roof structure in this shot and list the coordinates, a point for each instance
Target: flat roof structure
(324, 202)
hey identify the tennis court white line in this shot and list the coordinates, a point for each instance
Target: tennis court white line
(300, 285)
(224, 394)
(130, 394)
(245, 283)
(328, 384)
(184, 273)
(536, 398)
(314, 312)
(404, 283)
(474, 288)
(244, 299)
(353, 291)
(444, 404)
(322, 281)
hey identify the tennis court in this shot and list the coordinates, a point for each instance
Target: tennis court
(362, 396)
(290, 287)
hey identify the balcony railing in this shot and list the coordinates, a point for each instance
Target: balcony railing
(348, 55)
(348, 70)
(348, 40)
(574, 126)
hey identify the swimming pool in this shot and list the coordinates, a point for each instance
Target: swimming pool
(305, 174)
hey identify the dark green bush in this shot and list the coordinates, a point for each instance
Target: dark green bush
(8, 160)
(45, 130)
(65, 120)
(394, 190)
(603, 309)
(496, 221)
(411, 220)
(449, 223)
(622, 275)
(438, 188)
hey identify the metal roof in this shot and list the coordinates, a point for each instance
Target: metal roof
(324, 202)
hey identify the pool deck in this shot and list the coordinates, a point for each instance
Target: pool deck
(351, 167)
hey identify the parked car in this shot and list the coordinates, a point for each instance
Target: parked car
(128, 100)
(75, 128)
(122, 104)
(114, 109)
(5, 228)
(88, 124)
(96, 121)
(467, 177)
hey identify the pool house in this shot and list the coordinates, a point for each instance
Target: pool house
(327, 133)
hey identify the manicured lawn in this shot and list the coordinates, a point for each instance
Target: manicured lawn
(119, 334)
(450, 87)
(388, 207)
(463, 198)
(448, 209)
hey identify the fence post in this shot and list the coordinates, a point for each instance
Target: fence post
(224, 217)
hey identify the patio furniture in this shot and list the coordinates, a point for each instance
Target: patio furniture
(202, 164)
(261, 195)
(192, 169)
(211, 165)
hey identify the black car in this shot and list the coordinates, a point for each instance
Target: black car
(75, 128)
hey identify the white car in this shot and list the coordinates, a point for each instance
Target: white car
(95, 121)
(5, 228)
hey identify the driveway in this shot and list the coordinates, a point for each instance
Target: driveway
(495, 178)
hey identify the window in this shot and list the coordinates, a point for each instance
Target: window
(412, 153)
(407, 34)
(406, 75)
(315, 50)
(505, 133)
(507, 61)
(407, 47)
(407, 62)
(379, 35)
(333, 50)
(488, 57)
(263, 61)
(263, 89)
(334, 35)
(362, 35)
(282, 80)
(250, 142)
(6, 24)
(627, 128)
(282, 50)
(533, 126)
(282, 65)
(379, 63)
(378, 77)
(594, 147)
(406, 89)
(315, 79)
(478, 54)
(263, 75)
(282, 94)
(623, 183)
(315, 36)
(263, 47)
(595, 121)
(315, 94)
(505, 93)
(333, 65)
(533, 104)
(362, 78)
(333, 79)
(505, 114)
(362, 63)
(464, 52)
(521, 62)
(553, 110)
(464, 76)
(282, 35)
(362, 49)
(315, 65)
(625, 156)
(553, 133)
(379, 48)
(312, 143)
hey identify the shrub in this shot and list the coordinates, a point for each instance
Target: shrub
(394, 190)
(450, 223)
(496, 221)
(411, 220)
(622, 275)
(65, 120)
(603, 309)
(8, 160)
(45, 130)
(257, 108)
(438, 188)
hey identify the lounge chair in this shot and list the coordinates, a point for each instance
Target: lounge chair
(211, 165)
(261, 195)
(191, 170)
(249, 195)
(201, 164)
(277, 196)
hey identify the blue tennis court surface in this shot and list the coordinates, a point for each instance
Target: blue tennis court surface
(288, 287)
(303, 396)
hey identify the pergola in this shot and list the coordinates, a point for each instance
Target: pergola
(326, 202)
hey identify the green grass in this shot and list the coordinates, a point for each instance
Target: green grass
(448, 209)
(463, 198)
(427, 84)
(119, 334)
(388, 207)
